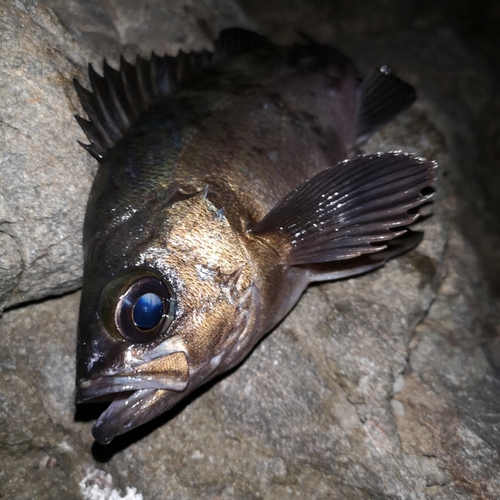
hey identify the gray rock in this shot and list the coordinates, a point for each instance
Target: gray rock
(376, 387)
(45, 177)
(131, 27)
(450, 393)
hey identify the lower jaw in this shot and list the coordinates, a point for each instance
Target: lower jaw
(118, 416)
(131, 409)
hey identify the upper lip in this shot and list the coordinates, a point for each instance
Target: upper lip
(169, 373)
(89, 389)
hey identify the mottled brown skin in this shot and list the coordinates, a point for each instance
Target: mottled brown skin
(239, 140)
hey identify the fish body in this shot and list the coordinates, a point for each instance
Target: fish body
(228, 181)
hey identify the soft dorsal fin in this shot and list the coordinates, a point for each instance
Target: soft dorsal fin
(119, 97)
(351, 209)
(383, 97)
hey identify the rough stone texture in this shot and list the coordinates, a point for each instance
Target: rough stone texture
(129, 27)
(45, 179)
(376, 387)
(447, 411)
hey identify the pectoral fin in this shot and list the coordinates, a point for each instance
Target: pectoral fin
(350, 209)
(341, 269)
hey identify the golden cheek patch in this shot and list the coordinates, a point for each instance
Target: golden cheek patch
(174, 366)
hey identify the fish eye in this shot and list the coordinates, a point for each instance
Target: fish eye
(137, 306)
(148, 311)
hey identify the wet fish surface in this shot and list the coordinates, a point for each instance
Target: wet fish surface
(228, 181)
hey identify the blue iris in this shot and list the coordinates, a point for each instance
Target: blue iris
(148, 311)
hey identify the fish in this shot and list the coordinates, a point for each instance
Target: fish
(228, 181)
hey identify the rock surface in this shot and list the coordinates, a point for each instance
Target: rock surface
(376, 387)
(45, 179)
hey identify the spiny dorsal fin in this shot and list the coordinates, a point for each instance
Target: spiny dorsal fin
(119, 97)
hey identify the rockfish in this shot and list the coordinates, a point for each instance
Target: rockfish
(227, 182)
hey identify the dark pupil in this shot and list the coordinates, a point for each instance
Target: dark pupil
(148, 311)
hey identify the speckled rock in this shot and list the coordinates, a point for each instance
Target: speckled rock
(131, 27)
(447, 405)
(45, 178)
(375, 387)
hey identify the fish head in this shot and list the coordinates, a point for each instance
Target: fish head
(168, 299)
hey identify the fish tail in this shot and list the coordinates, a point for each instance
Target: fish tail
(383, 97)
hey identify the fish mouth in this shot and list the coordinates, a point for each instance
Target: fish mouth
(137, 397)
(129, 410)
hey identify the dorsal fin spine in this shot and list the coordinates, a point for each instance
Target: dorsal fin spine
(121, 96)
(102, 121)
(91, 149)
(129, 82)
(146, 76)
(171, 71)
(183, 66)
(91, 133)
(162, 78)
(122, 107)
(156, 76)
(90, 105)
(105, 103)
(144, 82)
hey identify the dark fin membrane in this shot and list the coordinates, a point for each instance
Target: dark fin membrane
(383, 97)
(352, 208)
(235, 41)
(120, 97)
(365, 263)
